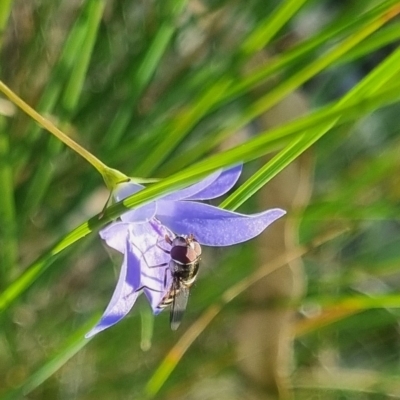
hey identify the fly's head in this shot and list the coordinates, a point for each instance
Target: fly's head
(185, 250)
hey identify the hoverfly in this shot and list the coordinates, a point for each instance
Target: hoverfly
(184, 265)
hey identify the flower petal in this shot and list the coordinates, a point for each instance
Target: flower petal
(153, 253)
(193, 189)
(125, 294)
(213, 226)
(145, 266)
(220, 186)
(155, 274)
(140, 214)
(149, 239)
(126, 189)
(115, 235)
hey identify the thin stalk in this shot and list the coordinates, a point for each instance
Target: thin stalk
(110, 175)
(8, 224)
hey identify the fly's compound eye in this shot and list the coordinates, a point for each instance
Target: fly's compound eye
(195, 245)
(183, 255)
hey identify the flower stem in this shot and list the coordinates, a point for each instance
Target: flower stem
(111, 176)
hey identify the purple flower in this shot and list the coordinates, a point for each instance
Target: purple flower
(140, 236)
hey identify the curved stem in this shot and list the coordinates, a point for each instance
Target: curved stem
(110, 175)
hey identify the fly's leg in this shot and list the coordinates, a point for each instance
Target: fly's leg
(149, 288)
(165, 280)
(158, 265)
(162, 265)
(156, 290)
(168, 240)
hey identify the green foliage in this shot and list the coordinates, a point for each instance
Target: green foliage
(156, 89)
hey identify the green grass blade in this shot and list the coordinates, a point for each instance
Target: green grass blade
(61, 73)
(141, 76)
(370, 84)
(345, 25)
(8, 220)
(276, 95)
(371, 174)
(376, 79)
(71, 346)
(176, 130)
(8, 223)
(386, 35)
(273, 167)
(47, 102)
(234, 89)
(383, 36)
(74, 87)
(42, 177)
(86, 30)
(268, 28)
(5, 10)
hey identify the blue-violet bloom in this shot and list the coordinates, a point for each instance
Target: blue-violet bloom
(140, 234)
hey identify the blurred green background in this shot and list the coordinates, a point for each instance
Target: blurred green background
(151, 87)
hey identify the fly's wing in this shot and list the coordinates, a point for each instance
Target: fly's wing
(179, 304)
